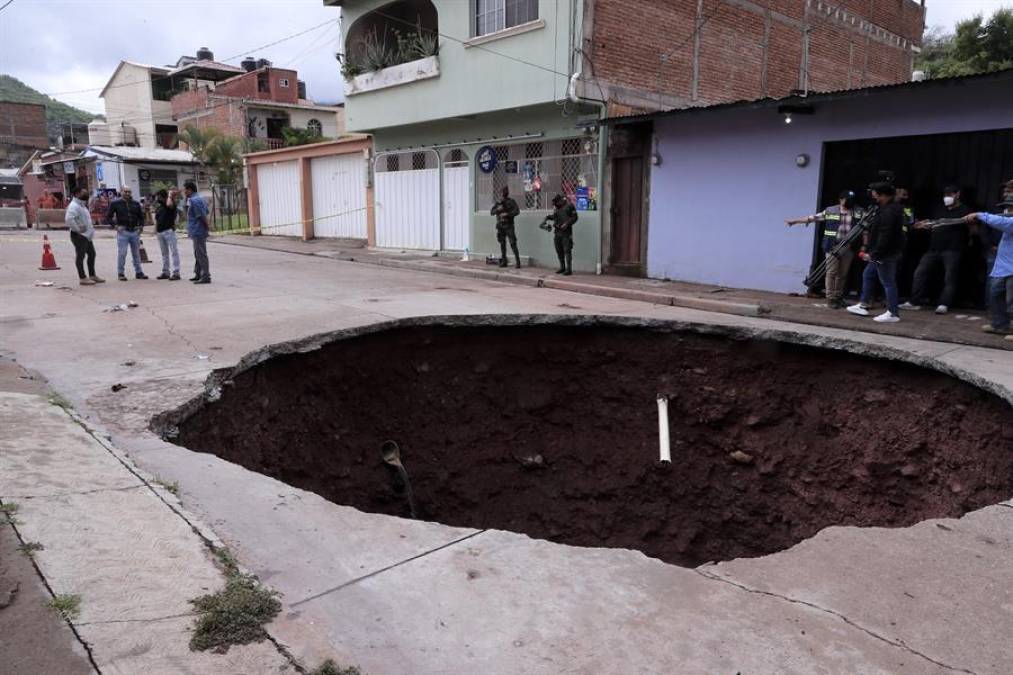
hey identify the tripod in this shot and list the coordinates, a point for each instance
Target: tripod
(856, 231)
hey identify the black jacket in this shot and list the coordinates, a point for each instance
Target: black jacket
(165, 217)
(886, 232)
(125, 214)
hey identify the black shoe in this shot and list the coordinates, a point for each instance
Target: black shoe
(567, 273)
(195, 278)
(205, 280)
(503, 263)
(142, 275)
(122, 277)
(518, 264)
(561, 270)
(163, 275)
(174, 277)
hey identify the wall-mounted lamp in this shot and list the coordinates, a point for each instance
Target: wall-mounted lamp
(789, 111)
(802, 160)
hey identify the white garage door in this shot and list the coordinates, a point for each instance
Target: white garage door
(407, 194)
(280, 198)
(339, 196)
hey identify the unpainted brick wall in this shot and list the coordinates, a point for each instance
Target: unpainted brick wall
(646, 50)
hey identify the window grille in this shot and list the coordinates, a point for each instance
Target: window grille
(455, 158)
(558, 166)
(407, 161)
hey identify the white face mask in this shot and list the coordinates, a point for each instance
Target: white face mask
(948, 200)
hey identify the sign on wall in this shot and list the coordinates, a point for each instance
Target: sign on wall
(486, 159)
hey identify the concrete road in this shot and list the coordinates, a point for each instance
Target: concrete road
(397, 596)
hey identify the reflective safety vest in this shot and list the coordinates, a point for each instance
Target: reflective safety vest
(831, 219)
(909, 218)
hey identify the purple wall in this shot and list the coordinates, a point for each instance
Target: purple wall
(728, 177)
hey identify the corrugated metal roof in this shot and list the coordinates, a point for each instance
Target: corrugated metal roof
(129, 154)
(813, 97)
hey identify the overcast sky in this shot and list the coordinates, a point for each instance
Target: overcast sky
(59, 46)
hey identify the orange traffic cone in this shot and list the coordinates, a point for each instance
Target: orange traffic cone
(48, 259)
(144, 254)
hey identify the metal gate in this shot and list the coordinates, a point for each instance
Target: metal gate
(456, 200)
(407, 195)
(280, 198)
(339, 196)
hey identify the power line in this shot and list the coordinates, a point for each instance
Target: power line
(6, 5)
(170, 76)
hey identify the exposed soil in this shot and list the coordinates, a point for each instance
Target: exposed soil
(552, 431)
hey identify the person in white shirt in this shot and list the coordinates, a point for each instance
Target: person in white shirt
(78, 220)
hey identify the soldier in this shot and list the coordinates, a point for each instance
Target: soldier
(837, 222)
(506, 210)
(563, 219)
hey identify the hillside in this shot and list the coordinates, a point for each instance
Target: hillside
(57, 113)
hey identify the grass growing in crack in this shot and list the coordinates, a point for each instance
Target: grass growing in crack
(29, 548)
(237, 613)
(329, 667)
(172, 487)
(9, 510)
(69, 606)
(234, 615)
(58, 400)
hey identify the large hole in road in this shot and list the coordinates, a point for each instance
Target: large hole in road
(552, 431)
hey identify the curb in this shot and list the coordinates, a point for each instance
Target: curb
(665, 299)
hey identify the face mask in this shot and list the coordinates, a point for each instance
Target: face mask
(948, 201)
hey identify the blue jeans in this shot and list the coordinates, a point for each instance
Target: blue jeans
(884, 271)
(1000, 301)
(131, 238)
(989, 264)
(167, 244)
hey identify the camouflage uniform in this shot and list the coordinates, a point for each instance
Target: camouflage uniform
(563, 219)
(505, 212)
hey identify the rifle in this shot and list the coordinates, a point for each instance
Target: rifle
(844, 244)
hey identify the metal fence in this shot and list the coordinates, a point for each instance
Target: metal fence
(229, 212)
(536, 171)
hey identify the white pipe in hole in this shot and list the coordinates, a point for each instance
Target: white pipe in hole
(663, 442)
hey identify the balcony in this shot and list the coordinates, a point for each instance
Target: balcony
(394, 45)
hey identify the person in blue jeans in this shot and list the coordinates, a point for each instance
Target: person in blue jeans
(197, 228)
(127, 216)
(882, 252)
(1000, 290)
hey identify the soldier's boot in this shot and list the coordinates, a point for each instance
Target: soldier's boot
(569, 264)
(502, 255)
(517, 256)
(562, 264)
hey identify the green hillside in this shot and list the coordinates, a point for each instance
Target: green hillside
(57, 113)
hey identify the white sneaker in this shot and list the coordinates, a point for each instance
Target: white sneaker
(908, 306)
(859, 310)
(887, 317)
(941, 309)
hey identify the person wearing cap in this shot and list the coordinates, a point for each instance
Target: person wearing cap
(836, 221)
(1000, 306)
(563, 218)
(882, 252)
(947, 244)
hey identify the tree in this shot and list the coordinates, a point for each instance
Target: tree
(215, 151)
(300, 136)
(976, 46)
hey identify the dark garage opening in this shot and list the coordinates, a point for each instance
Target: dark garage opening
(979, 162)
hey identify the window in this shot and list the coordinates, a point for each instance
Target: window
(495, 15)
(283, 81)
(554, 166)
(315, 126)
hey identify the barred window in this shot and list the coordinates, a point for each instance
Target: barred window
(553, 166)
(455, 158)
(407, 161)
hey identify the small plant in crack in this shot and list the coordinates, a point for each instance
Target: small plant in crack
(172, 487)
(30, 548)
(58, 400)
(9, 511)
(329, 667)
(67, 605)
(235, 615)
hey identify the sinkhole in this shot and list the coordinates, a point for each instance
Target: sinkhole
(552, 431)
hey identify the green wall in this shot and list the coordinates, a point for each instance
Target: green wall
(515, 71)
(552, 124)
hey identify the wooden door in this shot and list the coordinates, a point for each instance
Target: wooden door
(627, 215)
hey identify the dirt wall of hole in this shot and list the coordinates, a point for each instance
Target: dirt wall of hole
(552, 432)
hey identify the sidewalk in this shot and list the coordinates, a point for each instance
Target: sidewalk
(959, 327)
(110, 536)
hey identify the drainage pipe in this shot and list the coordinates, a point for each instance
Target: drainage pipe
(664, 446)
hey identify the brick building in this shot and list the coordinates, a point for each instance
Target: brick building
(257, 104)
(657, 54)
(22, 131)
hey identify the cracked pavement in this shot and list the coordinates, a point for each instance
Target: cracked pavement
(398, 596)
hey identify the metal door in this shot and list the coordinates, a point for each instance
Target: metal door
(407, 195)
(456, 200)
(280, 198)
(339, 196)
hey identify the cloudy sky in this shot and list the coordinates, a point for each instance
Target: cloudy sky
(64, 46)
